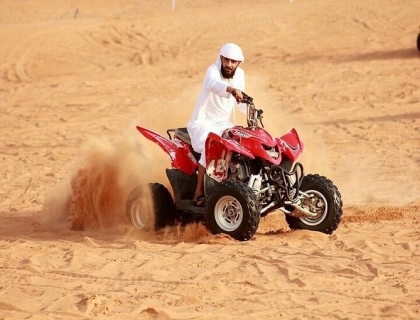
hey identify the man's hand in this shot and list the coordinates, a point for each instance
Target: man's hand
(237, 94)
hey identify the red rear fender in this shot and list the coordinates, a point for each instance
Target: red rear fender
(178, 151)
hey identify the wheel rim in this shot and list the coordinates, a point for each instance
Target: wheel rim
(138, 215)
(316, 203)
(228, 213)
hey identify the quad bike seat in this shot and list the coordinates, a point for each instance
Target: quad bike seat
(182, 134)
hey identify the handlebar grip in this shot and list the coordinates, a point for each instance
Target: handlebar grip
(246, 98)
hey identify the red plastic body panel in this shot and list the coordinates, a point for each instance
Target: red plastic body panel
(255, 141)
(252, 144)
(179, 152)
(291, 145)
(218, 155)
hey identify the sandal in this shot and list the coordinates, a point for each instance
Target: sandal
(200, 201)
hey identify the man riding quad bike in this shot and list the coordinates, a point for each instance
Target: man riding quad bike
(249, 174)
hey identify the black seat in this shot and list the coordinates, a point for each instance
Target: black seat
(182, 134)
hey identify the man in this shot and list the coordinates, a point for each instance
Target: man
(222, 89)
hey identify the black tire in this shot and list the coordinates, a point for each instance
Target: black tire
(327, 201)
(418, 42)
(163, 205)
(233, 209)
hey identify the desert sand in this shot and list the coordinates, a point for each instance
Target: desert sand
(76, 77)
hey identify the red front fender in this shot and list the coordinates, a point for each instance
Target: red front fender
(179, 152)
(292, 145)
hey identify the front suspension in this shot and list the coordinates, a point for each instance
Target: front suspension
(288, 181)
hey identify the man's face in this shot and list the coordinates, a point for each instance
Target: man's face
(228, 67)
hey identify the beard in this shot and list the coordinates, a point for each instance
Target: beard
(227, 74)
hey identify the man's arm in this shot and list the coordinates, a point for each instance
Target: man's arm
(237, 94)
(212, 82)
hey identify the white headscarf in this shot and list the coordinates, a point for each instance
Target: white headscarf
(230, 51)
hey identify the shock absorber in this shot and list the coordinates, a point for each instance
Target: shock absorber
(288, 181)
(255, 182)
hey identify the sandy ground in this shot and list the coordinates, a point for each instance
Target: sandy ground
(76, 77)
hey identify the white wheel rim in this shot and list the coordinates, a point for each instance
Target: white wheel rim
(228, 213)
(320, 203)
(138, 216)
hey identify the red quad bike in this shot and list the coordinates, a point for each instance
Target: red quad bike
(248, 175)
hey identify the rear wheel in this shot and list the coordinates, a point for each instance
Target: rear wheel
(163, 207)
(324, 200)
(233, 209)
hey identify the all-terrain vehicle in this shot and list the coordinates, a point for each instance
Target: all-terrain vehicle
(248, 175)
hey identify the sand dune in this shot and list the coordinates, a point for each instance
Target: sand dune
(77, 77)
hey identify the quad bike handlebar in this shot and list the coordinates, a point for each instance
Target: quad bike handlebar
(246, 98)
(253, 115)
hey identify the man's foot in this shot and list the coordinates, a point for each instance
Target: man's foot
(200, 201)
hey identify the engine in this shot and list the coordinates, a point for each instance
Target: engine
(273, 185)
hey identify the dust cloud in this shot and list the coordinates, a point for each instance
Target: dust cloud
(101, 179)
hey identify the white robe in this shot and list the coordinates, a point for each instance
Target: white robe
(214, 107)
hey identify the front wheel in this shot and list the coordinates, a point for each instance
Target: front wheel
(324, 200)
(233, 209)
